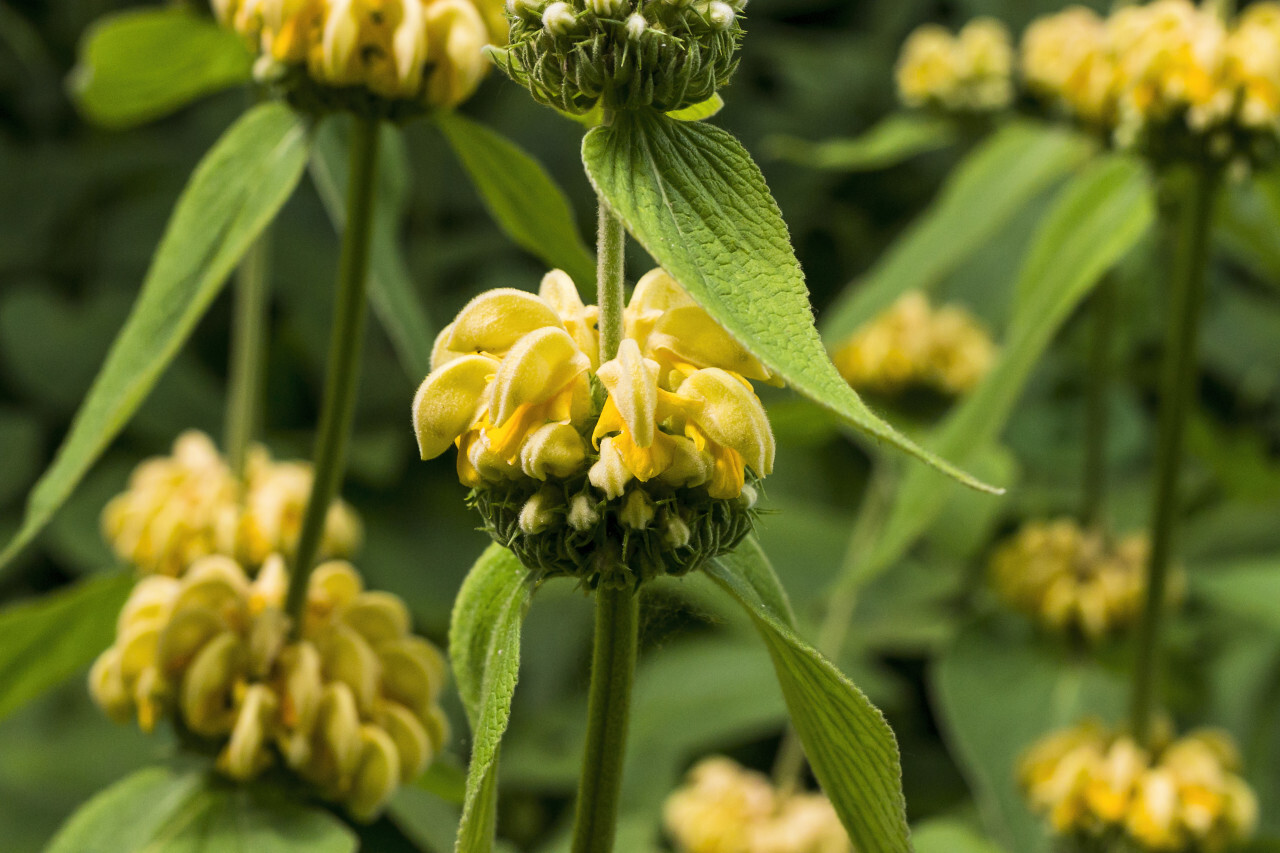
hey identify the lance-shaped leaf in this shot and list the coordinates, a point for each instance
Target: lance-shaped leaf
(236, 190)
(484, 645)
(1096, 219)
(48, 640)
(696, 201)
(894, 139)
(395, 301)
(141, 64)
(994, 183)
(187, 811)
(850, 747)
(521, 196)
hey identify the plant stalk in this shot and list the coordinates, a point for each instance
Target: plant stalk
(611, 242)
(1191, 213)
(338, 408)
(613, 664)
(248, 352)
(1102, 308)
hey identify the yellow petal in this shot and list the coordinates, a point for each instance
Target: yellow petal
(448, 400)
(106, 686)
(413, 672)
(610, 474)
(732, 416)
(558, 291)
(655, 294)
(555, 450)
(335, 742)
(300, 686)
(689, 334)
(440, 352)
(456, 36)
(537, 368)
(152, 597)
(377, 774)
(246, 755)
(377, 616)
(332, 585)
(495, 320)
(632, 382)
(410, 737)
(184, 636)
(347, 658)
(208, 685)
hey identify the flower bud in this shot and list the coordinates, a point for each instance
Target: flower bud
(559, 19)
(377, 774)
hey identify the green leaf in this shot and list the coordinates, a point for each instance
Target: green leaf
(894, 139)
(694, 199)
(1247, 590)
(998, 179)
(941, 835)
(48, 640)
(1097, 217)
(850, 746)
(999, 690)
(484, 645)
(396, 302)
(708, 108)
(236, 190)
(141, 64)
(189, 811)
(523, 199)
(1247, 223)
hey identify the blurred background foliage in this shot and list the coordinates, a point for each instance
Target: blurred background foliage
(83, 208)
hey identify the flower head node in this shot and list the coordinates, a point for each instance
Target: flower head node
(350, 707)
(622, 54)
(725, 808)
(969, 72)
(1180, 796)
(179, 508)
(1075, 581)
(613, 473)
(376, 57)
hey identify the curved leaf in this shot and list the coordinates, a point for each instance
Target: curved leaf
(941, 835)
(850, 746)
(694, 199)
(185, 810)
(704, 110)
(141, 64)
(484, 646)
(396, 302)
(233, 194)
(46, 641)
(997, 179)
(894, 139)
(1096, 219)
(524, 200)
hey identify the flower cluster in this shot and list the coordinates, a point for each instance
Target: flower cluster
(623, 54)
(1073, 580)
(654, 451)
(725, 808)
(350, 708)
(913, 345)
(189, 505)
(1168, 77)
(357, 53)
(971, 71)
(1181, 796)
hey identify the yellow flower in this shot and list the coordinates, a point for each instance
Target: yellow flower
(1253, 65)
(971, 71)
(1067, 59)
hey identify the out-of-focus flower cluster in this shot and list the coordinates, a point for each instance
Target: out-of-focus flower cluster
(653, 451)
(915, 345)
(725, 808)
(971, 71)
(189, 505)
(350, 707)
(1181, 796)
(1073, 580)
(422, 51)
(623, 54)
(1160, 67)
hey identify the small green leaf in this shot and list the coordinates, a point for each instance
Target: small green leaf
(484, 645)
(1098, 217)
(694, 199)
(236, 190)
(141, 64)
(850, 746)
(996, 181)
(396, 302)
(708, 108)
(894, 139)
(523, 199)
(999, 690)
(48, 640)
(181, 811)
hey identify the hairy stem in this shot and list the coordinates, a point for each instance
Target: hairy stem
(344, 361)
(1190, 212)
(613, 664)
(611, 243)
(1102, 309)
(248, 351)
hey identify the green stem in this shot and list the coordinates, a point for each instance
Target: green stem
(613, 664)
(611, 243)
(248, 350)
(344, 361)
(1192, 211)
(1102, 307)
